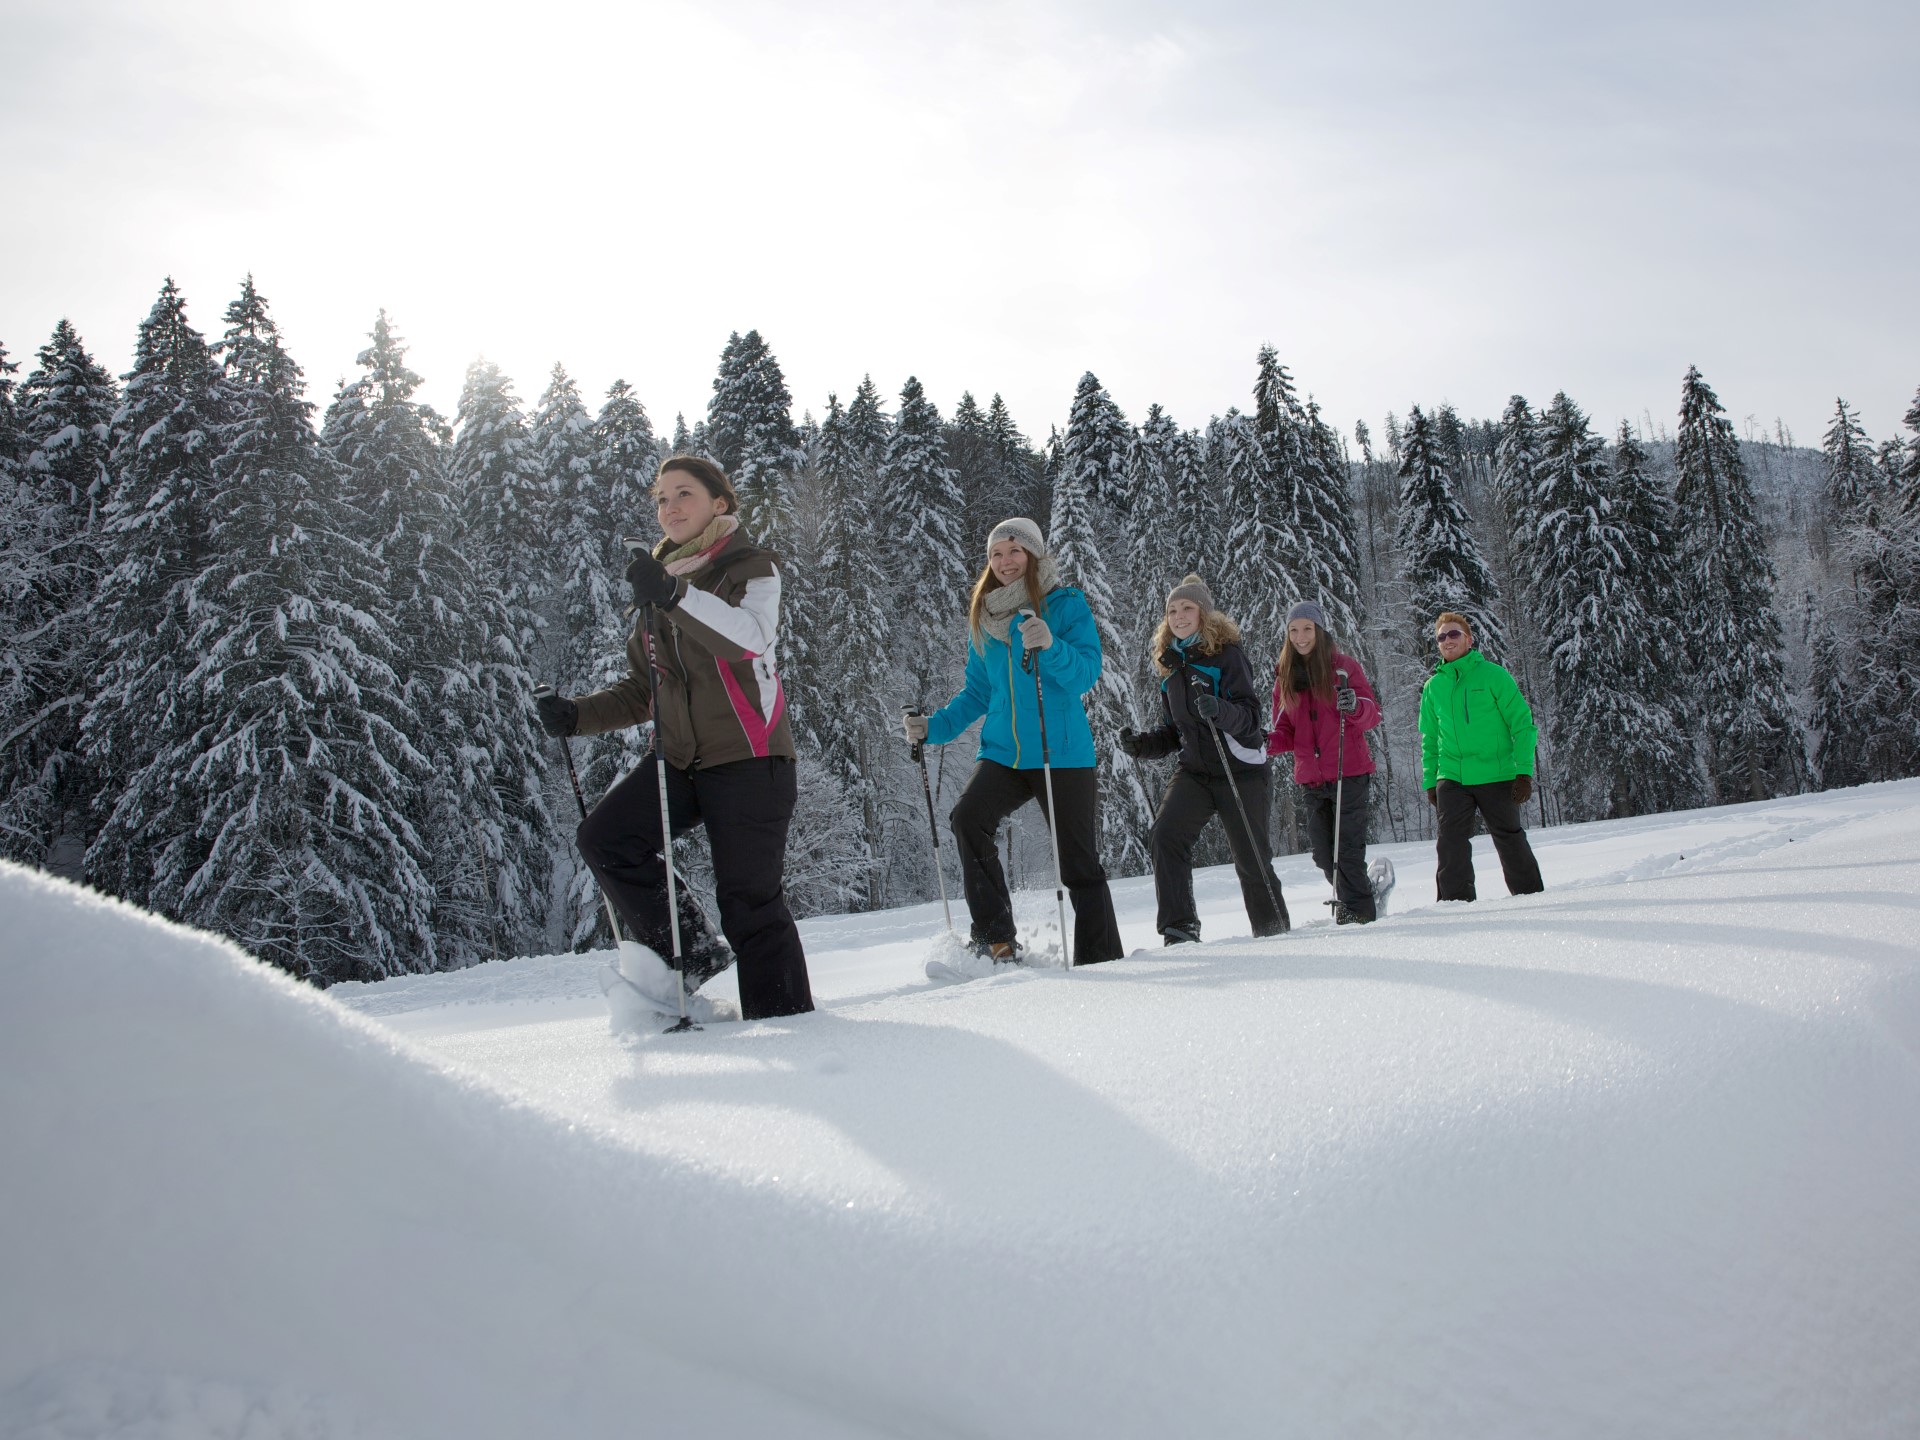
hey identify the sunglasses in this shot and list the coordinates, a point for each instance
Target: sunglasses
(1451, 635)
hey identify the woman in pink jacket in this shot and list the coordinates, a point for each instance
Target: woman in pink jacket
(1316, 688)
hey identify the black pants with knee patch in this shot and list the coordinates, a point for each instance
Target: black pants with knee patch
(994, 791)
(746, 806)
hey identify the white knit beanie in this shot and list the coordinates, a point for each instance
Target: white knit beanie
(1020, 529)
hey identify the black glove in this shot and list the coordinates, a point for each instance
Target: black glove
(1522, 789)
(1346, 700)
(1433, 798)
(1130, 742)
(1206, 705)
(651, 583)
(559, 716)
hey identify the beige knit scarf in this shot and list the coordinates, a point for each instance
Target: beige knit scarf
(692, 557)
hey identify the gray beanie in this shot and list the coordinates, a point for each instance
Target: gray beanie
(1307, 610)
(1023, 530)
(1192, 588)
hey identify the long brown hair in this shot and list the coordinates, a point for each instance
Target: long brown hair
(1298, 674)
(1217, 631)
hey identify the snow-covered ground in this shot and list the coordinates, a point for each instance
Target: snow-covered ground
(1635, 1157)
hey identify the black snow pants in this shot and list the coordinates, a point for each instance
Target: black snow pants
(1349, 879)
(1193, 798)
(1457, 804)
(994, 791)
(746, 806)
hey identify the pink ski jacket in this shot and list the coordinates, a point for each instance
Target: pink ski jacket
(1310, 728)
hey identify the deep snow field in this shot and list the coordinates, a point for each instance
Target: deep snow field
(1636, 1157)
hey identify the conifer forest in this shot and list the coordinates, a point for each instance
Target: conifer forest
(266, 664)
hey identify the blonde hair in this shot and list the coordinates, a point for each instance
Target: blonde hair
(1217, 631)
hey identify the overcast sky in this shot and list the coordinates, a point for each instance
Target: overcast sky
(1413, 202)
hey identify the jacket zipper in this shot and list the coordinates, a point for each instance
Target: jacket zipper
(1013, 709)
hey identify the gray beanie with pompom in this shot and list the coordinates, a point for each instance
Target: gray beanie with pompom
(1195, 589)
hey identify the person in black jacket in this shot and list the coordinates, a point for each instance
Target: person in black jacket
(1211, 705)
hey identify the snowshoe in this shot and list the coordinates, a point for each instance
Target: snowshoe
(955, 962)
(642, 990)
(1380, 876)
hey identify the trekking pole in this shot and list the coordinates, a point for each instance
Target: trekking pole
(1339, 791)
(1246, 825)
(580, 799)
(685, 1022)
(933, 826)
(1028, 661)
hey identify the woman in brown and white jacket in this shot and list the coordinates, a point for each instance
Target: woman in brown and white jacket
(721, 722)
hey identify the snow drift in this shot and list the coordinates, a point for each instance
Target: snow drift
(1634, 1157)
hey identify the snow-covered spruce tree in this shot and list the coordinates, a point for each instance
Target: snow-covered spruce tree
(59, 440)
(1618, 742)
(1256, 580)
(1330, 529)
(585, 578)
(750, 431)
(1024, 470)
(1155, 559)
(626, 456)
(1753, 740)
(142, 717)
(1441, 565)
(1643, 509)
(840, 715)
(921, 514)
(300, 777)
(505, 508)
(1099, 441)
(38, 698)
(66, 418)
(506, 501)
(1093, 455)
(481, 813)
(1850, 464)
(1883, 548)
(1837, 743)
(1196, 520)
(1909, 474)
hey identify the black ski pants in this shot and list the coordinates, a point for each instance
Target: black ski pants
(1193, 798)
(1349, 878)
(746, 806)
(1457, 804)
(994, 791)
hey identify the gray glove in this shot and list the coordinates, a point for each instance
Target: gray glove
(1206, 704)
(1346, 700)
(915, 726)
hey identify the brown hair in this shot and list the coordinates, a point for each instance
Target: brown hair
(987, 584)
(711, 477)
(1457, 618)
(1217, 631)
(1298, 674)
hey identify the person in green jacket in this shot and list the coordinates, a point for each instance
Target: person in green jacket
(1477, 739)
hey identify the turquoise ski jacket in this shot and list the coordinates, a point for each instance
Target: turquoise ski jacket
(1000, 690)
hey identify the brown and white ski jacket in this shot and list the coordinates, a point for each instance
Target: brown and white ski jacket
(721, 698)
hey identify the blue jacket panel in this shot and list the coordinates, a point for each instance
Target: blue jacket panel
(1000, 690)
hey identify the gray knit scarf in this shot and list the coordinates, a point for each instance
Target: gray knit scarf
(1000, 606)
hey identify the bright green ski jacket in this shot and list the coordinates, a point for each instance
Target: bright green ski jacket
(1475, 725)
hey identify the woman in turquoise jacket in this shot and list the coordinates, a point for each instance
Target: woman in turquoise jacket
(1018, 607)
